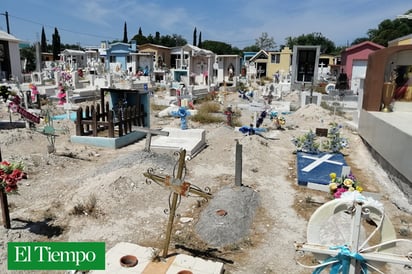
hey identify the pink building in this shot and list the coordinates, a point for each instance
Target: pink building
(354, 61)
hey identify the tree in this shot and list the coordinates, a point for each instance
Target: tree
(140, 38)
(29, 55)
(217, 47)
(125, 40)
(253, 48)
(265, 42)
(56, 44)
(194, 36)
(43, 43)
(312, 39)
(157, 38)
(199, 44)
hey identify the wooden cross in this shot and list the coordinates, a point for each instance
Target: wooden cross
(149, 132)
(355, 256)
(178, 187)
(4, 205)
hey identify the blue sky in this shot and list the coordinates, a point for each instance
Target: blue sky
(236, 22)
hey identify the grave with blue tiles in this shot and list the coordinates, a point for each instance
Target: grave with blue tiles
(316, 168)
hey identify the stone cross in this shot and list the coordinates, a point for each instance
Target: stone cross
(178, 188)
(355, 257)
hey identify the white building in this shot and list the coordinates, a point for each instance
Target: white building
(10, 64)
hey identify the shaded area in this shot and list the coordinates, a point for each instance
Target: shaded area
(41, 227)
(205, 254)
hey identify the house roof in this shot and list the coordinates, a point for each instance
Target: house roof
(197, 50)
(149, 45)
(262, 54)
(362, 45)
(72, 52)
(4, 36)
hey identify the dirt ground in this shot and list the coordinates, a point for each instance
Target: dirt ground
(87, 193)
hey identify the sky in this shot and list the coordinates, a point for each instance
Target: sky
(235, 22)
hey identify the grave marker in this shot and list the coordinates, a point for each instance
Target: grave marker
(178, 187)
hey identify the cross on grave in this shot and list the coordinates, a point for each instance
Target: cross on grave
(149, 132)
(319, 161)
(4, 205)
(356, 256)
(178, 187)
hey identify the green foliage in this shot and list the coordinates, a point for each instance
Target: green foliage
(206, 113)
(312, 39)
(217, 47)
(30, 56)
(162, 40)
(265, 42)
(56, 45)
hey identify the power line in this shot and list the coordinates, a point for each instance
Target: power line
(63, 29)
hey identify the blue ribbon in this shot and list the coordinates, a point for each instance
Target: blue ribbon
(342, 261)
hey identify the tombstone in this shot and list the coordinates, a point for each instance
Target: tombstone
(352, 234)
(36, 78)
(305, 64)
(310, 98)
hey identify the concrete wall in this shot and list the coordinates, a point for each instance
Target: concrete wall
(389, 136)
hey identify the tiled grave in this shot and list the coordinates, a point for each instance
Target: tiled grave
(316, 168)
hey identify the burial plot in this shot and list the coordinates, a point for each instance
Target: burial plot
(316, 168)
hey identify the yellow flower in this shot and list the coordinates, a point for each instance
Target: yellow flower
(359, 188)
(348, 182)
(351, 188)
(333, 186)
(332, 176)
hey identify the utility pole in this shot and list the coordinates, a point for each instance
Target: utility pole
(6, 14)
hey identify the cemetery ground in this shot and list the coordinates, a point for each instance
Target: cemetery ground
(87, 193)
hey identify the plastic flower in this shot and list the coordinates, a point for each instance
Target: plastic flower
(10, 175)
(348, 182)
(337, 185)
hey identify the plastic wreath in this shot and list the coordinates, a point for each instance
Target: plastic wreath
(10, 175)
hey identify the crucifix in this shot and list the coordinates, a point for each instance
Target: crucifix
(355, 256)
(177, 187)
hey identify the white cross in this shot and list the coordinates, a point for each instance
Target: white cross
(318, 161)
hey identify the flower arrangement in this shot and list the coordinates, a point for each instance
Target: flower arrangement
(333, 143)
(10, 175)
(338, 186)
(306, 143)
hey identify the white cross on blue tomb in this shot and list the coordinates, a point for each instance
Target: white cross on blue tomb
(316, 168)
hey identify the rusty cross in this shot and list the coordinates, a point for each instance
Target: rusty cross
(178, 188)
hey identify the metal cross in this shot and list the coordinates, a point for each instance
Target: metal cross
(354, 257)
(178, 187)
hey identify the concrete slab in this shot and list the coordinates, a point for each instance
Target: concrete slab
(192, 140)
(176, 264)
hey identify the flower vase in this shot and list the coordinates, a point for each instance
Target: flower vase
(387, 94)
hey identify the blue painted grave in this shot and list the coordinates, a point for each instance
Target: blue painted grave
(315, 168)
